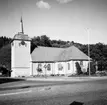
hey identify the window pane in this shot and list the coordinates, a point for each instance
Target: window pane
(49, 67)
(39, 65)
(60, 67)
(39, 68)
(81, 63)
(68, 66)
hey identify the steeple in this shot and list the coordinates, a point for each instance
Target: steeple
(21, 35)
(22, 30)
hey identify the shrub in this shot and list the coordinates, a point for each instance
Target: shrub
(4, 71)
(78, 67)
(62, 74)
(101, 73)
(39, 70)
(52, 75)
(92, 68)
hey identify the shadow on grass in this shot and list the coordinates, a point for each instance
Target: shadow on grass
(77, 103)
(7, 80)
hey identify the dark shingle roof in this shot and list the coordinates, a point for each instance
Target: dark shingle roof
(51, 54)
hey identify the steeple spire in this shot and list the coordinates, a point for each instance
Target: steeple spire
(22, 30)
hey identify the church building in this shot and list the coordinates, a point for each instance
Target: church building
(44, 60)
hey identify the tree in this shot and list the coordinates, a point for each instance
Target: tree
(33, 46)
(45, 41)
(42, 41)
(4, 41)
(92, 68)
(78, 67)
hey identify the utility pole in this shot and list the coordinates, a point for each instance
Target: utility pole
(88, 32)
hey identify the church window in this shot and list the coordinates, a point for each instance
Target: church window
(48, 66)
(81, 63)
(68, 66)
(39, 65)
(60, 67)
(39, 68)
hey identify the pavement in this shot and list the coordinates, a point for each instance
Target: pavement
(31, 82)
(90, 92)
(71, 79)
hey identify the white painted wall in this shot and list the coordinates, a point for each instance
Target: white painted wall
(59, 71)
(85, 66)
(54, 68)
(20, 58)
(44, 70)
(19, 72)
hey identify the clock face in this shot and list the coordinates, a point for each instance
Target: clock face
(22, 42)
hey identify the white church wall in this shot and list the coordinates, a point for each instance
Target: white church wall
(22, 54)
(45, 70)
(61, 71)
(20, 63)
(19, 72)
(34, 69)
(55, 69)
(69, 67)
(85, 66)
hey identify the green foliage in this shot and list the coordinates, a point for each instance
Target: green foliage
(42, 41)
(33, 46)
(39, 70)
(98, 52)
(4, 71)
(5, 56)
(101, 73)
(92, 68)
(78, 67)
(4, 41)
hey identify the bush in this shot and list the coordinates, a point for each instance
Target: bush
(78, 67)
(62, 74)
(39, 70)
(92, 68)
(101, 73)
(4, 71)
(52, 75)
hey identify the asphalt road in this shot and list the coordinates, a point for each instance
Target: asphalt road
(90, 93)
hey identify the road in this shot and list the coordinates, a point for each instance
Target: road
(90, 93)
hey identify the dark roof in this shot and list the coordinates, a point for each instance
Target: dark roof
(21, 36)
(51, 54)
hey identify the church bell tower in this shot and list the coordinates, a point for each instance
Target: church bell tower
(20, 54)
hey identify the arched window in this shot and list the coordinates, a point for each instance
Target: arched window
(60, 67)
(68, 66)
(81, 63)
(39, 68)
(39, 65)
(49, 67)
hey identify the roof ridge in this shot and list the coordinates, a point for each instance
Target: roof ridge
(51, 47)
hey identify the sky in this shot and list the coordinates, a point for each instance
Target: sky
(81, 21)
